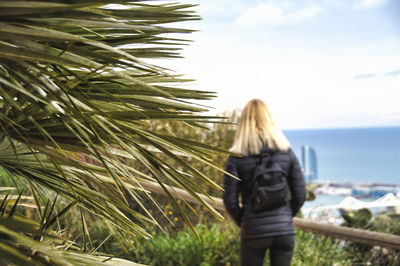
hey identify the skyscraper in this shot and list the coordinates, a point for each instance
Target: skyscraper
(309, 161)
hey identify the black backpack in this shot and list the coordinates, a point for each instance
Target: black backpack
(268, 187)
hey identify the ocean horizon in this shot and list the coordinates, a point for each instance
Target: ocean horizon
(352, 155)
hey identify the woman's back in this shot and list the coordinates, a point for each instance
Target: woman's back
(266, 223)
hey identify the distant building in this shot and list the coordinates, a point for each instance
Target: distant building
(309, 161)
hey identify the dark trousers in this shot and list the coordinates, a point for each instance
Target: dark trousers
(252, 251)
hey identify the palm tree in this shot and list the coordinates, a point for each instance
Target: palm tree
(76, 100)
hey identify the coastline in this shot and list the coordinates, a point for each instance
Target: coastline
(332, 197)
(355, 189)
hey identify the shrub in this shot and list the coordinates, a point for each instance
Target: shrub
(367, 254)
(217, 244)
(312, 249)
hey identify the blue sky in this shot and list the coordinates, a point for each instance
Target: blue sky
(317, 64)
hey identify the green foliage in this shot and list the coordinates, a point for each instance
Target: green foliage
(219, 244)
(366, 254)
(311, 249)
(358, 219)
(77, 101)
(26, 241)
(386, 223)
(215, 247)
(214, 134)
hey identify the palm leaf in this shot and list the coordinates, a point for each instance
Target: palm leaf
(74, 89)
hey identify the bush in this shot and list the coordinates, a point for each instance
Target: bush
(367, 254)
(217, 245)
(311, 249)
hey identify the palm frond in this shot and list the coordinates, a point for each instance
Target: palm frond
(76, 95)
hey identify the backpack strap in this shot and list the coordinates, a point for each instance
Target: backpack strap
(264, 158)
(263, 151)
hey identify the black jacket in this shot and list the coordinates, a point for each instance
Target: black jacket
(267, 223)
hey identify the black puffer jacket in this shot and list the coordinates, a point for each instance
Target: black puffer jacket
(268, 223)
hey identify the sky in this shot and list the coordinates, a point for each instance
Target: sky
(316, 63)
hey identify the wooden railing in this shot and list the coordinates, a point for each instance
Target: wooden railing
(340, 232)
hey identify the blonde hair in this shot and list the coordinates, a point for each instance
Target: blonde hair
(255, 127)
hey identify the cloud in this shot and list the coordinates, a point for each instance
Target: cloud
(306, 13)
(269, 13)
(394, 73)
(366, 4)
(365, 76)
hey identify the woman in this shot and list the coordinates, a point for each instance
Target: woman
(266, 229)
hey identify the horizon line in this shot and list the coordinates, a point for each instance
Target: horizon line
(341, 127)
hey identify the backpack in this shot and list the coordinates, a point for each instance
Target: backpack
(268, 187)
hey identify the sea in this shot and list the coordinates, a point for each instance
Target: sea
(351, 155)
